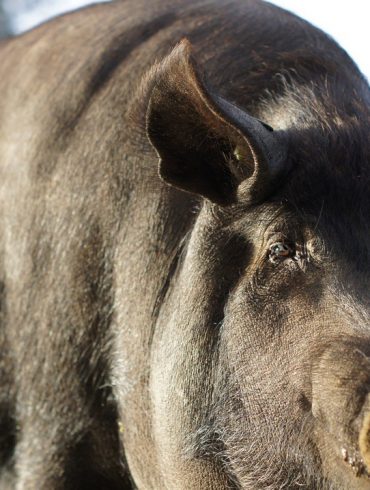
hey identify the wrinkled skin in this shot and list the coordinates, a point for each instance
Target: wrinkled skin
(207, 327)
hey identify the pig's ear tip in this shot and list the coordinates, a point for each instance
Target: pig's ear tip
(185, 44)
(180, 56)
(183, 48)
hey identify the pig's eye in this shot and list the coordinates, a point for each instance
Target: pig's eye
(280, 251)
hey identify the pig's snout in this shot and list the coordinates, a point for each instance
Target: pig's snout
(341, 404)
(364, 435)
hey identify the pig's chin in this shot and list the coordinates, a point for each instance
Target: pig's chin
(277, 458)
(326, 464)
(318, 459)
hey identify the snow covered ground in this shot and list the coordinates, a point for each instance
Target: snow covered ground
(346, 21)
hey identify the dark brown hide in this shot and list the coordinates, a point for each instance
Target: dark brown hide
(200, 326)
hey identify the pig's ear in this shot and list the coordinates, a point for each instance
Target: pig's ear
(206, 145)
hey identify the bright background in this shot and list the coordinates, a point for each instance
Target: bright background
(346, 21)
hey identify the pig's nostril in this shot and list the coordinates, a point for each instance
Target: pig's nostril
(364, 440)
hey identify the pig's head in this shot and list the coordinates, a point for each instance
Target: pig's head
(265, 372)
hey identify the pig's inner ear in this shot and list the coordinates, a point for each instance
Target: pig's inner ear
(205, 144)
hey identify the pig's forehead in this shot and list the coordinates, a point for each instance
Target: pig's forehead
(337, 188)
(340, 219)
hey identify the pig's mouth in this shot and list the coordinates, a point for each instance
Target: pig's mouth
(356, 463)
(347, 458)
(361, 466)
(359, 459)
(341, 407)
